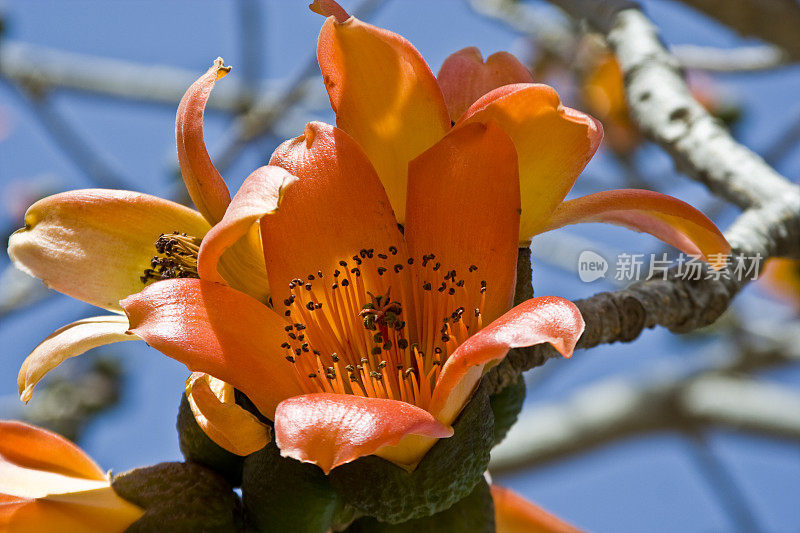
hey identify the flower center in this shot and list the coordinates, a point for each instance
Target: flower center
(380, 325)
(176, 258)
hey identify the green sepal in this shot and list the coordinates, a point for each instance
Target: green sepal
(196, 447)
(180, 497)
(506, 406)
(448, 472)
(283, 495)
(473, 514)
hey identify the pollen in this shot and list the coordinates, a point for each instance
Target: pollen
(176, 258)
(380, 325)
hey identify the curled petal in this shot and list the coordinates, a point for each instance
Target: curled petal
(515, 514)
(49, 484)
(464, 208)
(332, 429)
(95, 244)
(259, 195)
(336, 207)
(214, 329)
(384, 95)
(33, 447)
(546, 319)
(554, 143)
(226, 423)
(667, 218)
(465, 77)
(70, 341)
(329, 8)
(204, 183)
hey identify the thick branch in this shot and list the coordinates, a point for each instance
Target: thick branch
(663, 106)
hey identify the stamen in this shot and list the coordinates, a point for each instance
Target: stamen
(176, 258)
(368, 331)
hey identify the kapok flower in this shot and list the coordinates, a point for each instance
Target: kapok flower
(98, 246)
(781, 277)
(49, 484)
(376, 337)
(387, 98)
(515, 514)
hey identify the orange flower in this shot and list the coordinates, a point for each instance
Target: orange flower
(782, 278)
(377, 338)
(604, 95)
(379, 332)
(515, 514)
(49, 484)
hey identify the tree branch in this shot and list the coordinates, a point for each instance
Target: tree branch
(43, 69)
(664, 108)
(774, 21)
(618, 409)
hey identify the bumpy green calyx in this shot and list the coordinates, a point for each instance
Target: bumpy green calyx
(180, 497)
(283, 495)
(473, 514)
(447, 473)
(506, 406)
(196, 447)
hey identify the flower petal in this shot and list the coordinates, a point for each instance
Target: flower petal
(335, 208)
(554, 143)
(71, 340)
(464, 207)
(332, 429)
(82, 511)
(226, 423)
(95, 244)
(329, 8)
(259, 194)
(36, 448)
(669, 219)
(603, 92)
(204, 183)
(515, 514)
(546, 319)
(214, 329)
(464, 77)
(384, 95)
(47, 483)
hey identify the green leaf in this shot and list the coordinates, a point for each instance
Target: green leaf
(506, 406)
(448, 472)
(196, 447)
(281, 494)
(180, 497)
(473, 514)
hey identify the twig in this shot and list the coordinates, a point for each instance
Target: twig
(774, 21)
(83, 155)
(722, 484)
(742, 59)
(269, 108)
(49, 69)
